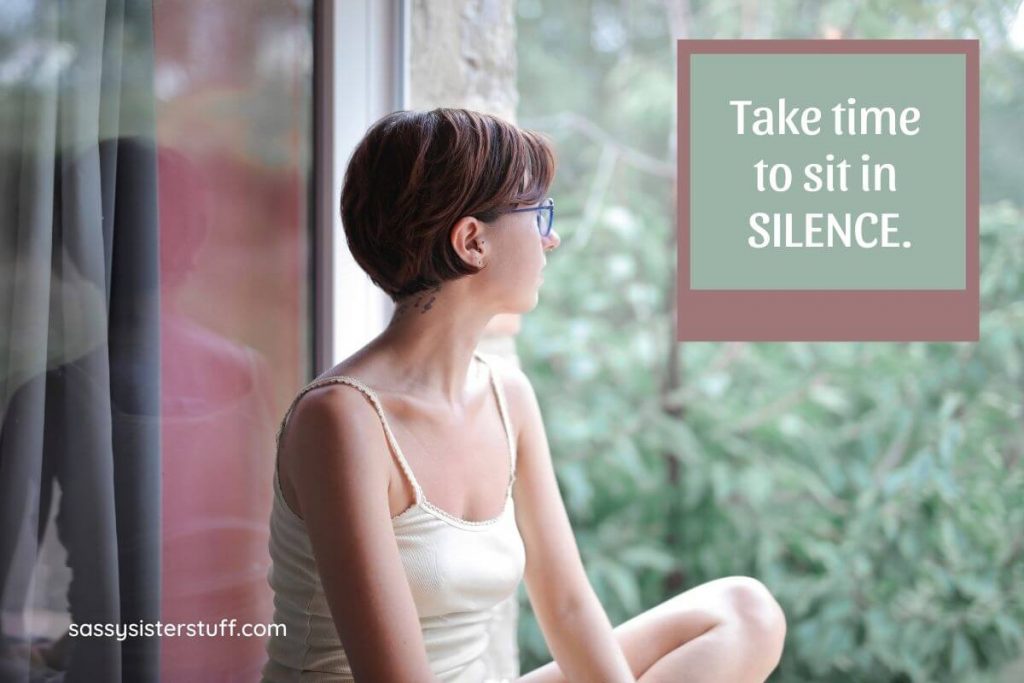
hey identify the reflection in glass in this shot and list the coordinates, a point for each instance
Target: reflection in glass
(153, 285)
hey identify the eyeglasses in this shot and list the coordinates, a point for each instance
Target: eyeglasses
(545, 215)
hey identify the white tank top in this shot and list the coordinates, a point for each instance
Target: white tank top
(459, 571)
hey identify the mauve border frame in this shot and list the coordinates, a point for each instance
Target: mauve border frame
(837, 314)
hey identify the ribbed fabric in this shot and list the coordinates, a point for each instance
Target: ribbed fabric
(459, 572)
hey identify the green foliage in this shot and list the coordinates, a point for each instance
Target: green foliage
(875, 488)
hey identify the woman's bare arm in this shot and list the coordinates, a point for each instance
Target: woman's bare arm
(335, 457)
(575, 625)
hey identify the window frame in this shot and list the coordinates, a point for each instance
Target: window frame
(360, 73)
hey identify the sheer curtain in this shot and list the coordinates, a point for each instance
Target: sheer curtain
(79, 332)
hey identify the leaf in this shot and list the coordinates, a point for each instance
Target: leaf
(623, 585)
(648, 557)
(578, 490)
(962, 659)
(830, 398)
(757, 484)
(721, 480)
(1009, 631)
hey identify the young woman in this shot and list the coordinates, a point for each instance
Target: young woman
(414, 486)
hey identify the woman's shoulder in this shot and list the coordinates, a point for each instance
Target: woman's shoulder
(336, 408)
(328, 435)
(355, 366)
(507, 370)
(515, 383)
(351, 382)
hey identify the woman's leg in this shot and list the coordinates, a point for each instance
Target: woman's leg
(730, 629)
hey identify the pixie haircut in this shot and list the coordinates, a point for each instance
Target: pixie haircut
(415, 174)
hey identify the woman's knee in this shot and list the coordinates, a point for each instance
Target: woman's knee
(752, 604)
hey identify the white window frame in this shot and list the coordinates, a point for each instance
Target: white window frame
(362, 53)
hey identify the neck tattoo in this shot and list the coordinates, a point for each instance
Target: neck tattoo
(423, 302)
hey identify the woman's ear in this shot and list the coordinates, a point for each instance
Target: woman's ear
(467, 236)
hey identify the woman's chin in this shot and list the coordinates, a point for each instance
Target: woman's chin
(527, 304)
(524, 299)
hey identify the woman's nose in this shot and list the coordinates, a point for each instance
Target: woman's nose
(551, 241)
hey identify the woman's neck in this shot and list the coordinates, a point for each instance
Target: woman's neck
(429, 344)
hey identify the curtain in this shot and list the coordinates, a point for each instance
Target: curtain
(79, 332)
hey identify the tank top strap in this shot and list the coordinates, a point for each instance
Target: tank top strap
(499, 394)
(375, 402)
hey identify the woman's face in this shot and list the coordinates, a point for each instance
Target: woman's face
(513, 271)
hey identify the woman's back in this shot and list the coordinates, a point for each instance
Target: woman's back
(459, 571)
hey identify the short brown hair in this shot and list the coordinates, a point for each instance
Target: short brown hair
(414, 174)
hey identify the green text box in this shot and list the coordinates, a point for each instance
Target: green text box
(930, 170)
